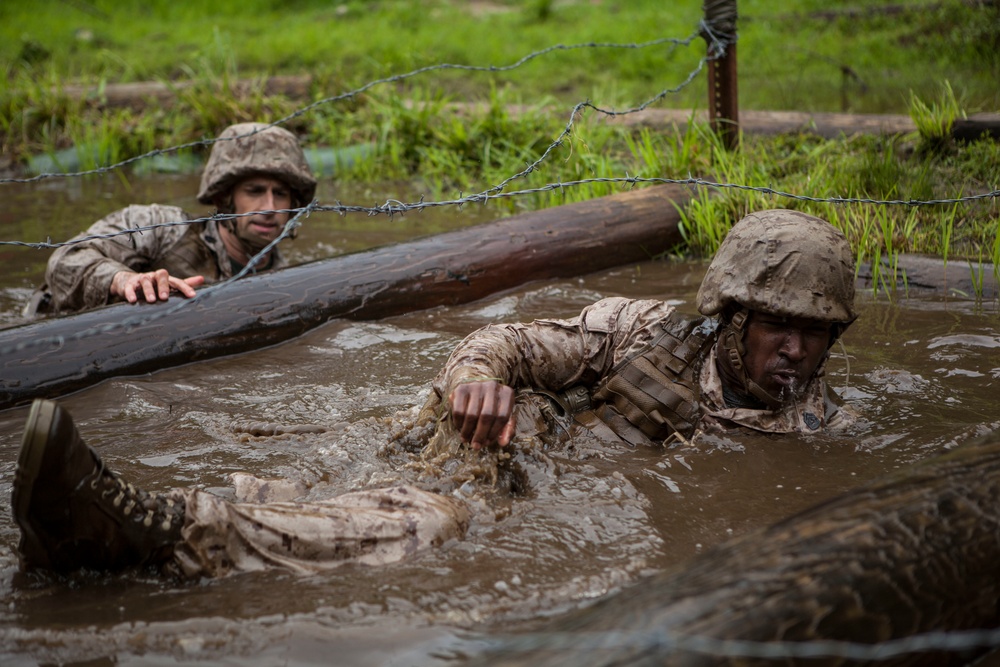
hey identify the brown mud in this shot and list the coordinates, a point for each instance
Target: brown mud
(921, 371)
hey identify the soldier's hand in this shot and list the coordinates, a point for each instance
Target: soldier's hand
(483, 413)
(152, 285)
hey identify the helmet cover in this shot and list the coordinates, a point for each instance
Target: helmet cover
(783, 263)
(266, 151)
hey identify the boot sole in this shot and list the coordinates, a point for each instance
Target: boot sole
(29, 461)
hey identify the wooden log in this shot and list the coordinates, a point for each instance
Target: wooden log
(977, 126)
(53, 357)
(921, 274)
(826, 125)
(141, 95)
(912, 553)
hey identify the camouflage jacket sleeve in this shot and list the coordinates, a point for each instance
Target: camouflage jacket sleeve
(554, 354)
(79, 275)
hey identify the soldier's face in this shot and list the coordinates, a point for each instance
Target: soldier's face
(261, 193)
(783, 353)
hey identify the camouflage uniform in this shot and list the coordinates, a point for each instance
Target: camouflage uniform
(367, 527)
(79, 275)
(588, 351)
(558, 354)
(75, 513)
(775, 261)
(779, 262)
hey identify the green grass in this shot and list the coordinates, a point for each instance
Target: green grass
(864, 167)
(792, 57)
(935, 63)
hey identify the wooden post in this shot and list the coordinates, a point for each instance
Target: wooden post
(723, 99)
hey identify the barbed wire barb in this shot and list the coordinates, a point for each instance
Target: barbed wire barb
(395, 78)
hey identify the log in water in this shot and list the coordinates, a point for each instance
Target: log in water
(53, 357)
(910, 554)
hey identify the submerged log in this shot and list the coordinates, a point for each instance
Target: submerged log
(53, 357)
(909, 554)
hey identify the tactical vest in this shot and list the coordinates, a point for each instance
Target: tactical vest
(190, 256)
(654, 394)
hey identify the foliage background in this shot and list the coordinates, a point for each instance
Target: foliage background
(935, 61)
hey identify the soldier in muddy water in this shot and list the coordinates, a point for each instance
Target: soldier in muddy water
(776, 297)
(253, 168)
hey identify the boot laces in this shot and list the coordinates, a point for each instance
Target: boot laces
(162, 512)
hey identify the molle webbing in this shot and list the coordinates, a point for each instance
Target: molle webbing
(655, 392)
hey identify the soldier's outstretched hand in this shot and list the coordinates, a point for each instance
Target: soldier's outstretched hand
(152, 285)
(483, 413)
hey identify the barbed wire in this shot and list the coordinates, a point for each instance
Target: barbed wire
(200, 295)
(718, 28)
(395, 78)
(485, 195)
(128, 231)
(661, 643)
(393, 207)
(390, 208)
(656, 642)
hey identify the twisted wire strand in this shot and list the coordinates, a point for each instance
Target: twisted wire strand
(395, 78)
(719, 22)
(50, 244)
(200, 295)
(390, 208)
(393, 207)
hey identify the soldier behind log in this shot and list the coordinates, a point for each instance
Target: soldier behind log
(252, 167)
(778, 294)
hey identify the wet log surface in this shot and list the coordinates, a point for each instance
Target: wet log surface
(977, 126)
(53, 357)
(919, 274)
(912, 553)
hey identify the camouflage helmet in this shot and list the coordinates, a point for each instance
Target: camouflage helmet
(784, 263)
(268, 151)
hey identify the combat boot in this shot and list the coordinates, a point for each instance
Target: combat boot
(74, 513)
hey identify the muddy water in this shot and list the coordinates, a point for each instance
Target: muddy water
(922, 373)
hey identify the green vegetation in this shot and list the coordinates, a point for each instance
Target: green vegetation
(863, 56)
(935, 62)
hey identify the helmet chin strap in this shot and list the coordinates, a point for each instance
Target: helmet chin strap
(732, 343)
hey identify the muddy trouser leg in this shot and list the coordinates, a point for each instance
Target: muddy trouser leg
(370, 527)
